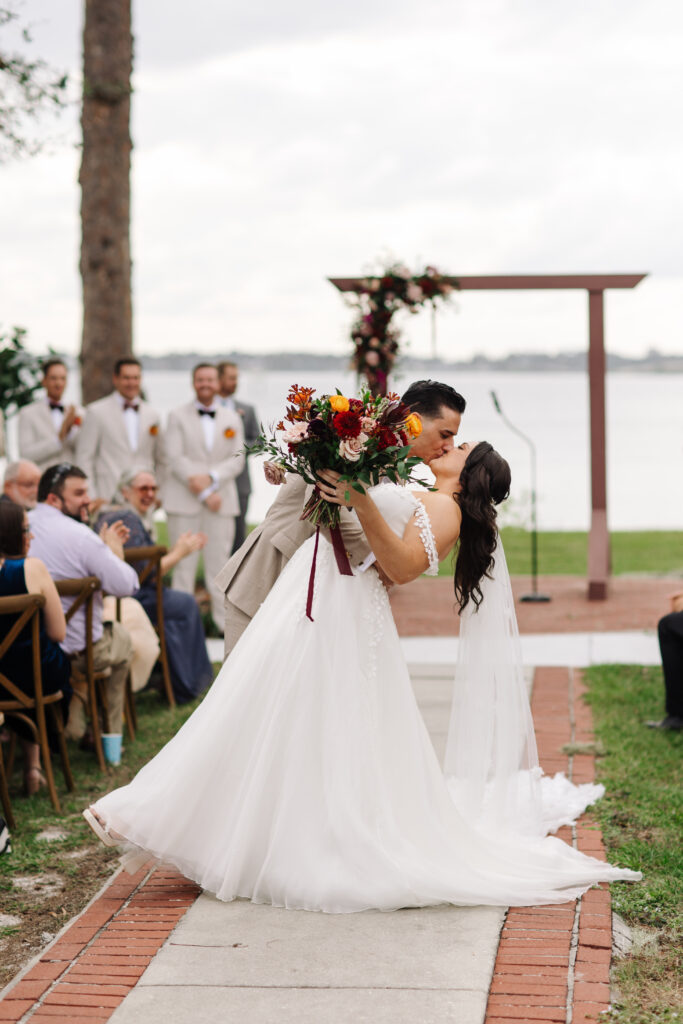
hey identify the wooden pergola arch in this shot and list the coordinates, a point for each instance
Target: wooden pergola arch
(595, 285)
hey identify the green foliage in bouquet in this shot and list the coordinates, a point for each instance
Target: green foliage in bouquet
(364, 439)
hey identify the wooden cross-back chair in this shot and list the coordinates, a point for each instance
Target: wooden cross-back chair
(150, 555)
(83, 589)
(19, 705)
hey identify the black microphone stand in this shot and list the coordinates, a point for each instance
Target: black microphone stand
(534, 595)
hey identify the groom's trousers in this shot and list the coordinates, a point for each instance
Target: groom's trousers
(670, 630)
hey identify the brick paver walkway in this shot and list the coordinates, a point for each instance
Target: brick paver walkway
(553, 962)
(91, 968)
(426, 607)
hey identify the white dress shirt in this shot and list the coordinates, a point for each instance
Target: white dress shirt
(131, 418)
(56, 414)
(208, 424)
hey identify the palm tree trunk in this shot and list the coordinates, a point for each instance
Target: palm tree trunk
(105, 192)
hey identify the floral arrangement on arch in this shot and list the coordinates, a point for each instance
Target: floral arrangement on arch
(376, 341)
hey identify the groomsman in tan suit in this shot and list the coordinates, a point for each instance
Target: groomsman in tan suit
(247, 578)
(120, 431)
(204, 442)
(48, 428)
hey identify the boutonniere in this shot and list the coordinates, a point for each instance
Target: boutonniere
(154, 429)
(228, 432)
(77, 421)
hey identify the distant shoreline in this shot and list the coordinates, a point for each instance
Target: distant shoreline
(519, 362)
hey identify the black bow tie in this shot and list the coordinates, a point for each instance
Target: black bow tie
(131, 405)
(207, 412)
(56, 405)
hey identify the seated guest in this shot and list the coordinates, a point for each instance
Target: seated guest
(70, 549)
(20, 483)
(22, 575)
(670, 631)
(142, 633)
(188, 662)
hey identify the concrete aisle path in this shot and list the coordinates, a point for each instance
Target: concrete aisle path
(257, 965)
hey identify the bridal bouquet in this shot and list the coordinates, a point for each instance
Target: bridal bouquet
(362, 438)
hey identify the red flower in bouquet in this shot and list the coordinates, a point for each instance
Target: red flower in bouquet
(387, 438)
(346, 424)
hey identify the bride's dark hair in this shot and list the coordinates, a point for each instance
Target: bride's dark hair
(484, 483)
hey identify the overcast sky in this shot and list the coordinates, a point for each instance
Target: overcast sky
(277, 144)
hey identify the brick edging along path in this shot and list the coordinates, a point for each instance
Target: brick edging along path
(552, 963)
(90, 969)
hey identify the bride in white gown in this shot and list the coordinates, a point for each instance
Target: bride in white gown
(306, 778)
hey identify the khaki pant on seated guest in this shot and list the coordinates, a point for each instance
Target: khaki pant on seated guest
(143, 635)
(113, 650)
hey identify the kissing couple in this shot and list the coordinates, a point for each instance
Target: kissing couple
(306, 778)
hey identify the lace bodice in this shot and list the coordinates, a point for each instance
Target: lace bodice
(398, 505)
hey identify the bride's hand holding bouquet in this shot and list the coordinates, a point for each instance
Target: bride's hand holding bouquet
(363, 439)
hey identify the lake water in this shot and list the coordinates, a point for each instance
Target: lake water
(644, 437)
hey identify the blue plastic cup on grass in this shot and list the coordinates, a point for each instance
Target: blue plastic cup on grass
(111, 745)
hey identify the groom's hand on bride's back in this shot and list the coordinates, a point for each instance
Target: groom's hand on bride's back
(386, 580)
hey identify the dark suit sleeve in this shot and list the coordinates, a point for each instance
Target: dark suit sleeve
(251, 427)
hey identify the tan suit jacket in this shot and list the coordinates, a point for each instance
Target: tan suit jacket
(103, 450)
(249, 575)
(188, 455)
(39, 441)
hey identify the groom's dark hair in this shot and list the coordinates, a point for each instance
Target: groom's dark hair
(428, 397)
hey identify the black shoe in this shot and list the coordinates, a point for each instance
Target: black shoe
(671, 722)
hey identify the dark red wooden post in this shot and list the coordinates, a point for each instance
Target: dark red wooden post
(598, 541)
(595, 285)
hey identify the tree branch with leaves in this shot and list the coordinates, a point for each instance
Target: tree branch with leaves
(28, 88)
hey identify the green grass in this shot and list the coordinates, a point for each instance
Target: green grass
(566, 553)
(641, 817)
(81, 863)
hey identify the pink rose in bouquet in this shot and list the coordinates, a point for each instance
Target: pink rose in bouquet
(352, 447)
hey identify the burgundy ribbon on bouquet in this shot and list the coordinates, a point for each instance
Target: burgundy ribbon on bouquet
(342, 563)
(340, 552)
(311, 578)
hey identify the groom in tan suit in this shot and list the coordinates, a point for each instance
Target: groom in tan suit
(247, 578)
(48, 428)
(120, 431)
(204, 442)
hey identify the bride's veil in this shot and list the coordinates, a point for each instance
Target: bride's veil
(491, 760)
